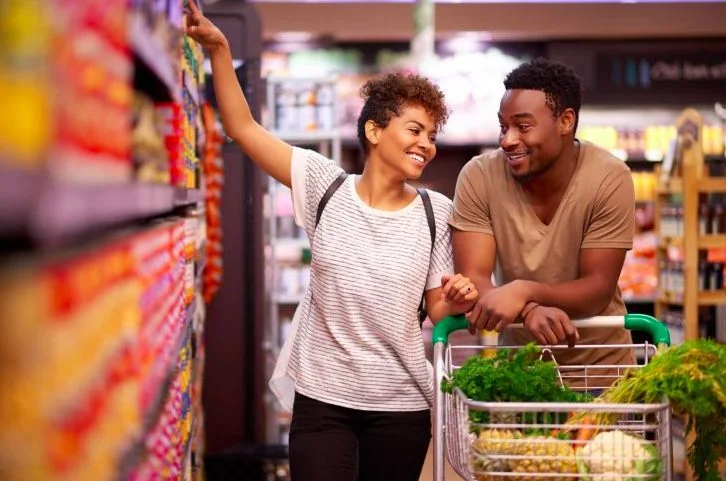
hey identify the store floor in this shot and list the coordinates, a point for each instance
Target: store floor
(428, 469)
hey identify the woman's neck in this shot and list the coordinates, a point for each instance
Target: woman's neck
(383, 190)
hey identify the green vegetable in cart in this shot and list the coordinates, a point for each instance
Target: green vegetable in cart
(513, 375)
(691, 376)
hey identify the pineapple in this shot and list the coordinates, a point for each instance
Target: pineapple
(491, 445)
(547, 457)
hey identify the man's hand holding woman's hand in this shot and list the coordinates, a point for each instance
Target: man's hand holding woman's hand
(502, 306)
(498, 307)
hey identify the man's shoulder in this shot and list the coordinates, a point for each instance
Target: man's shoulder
(490, 162)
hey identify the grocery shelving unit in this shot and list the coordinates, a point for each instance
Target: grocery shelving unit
(101, 269)
(684, 181)
(689, 187)
(302, 112)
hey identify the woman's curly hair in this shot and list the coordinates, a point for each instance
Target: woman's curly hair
(387, 95)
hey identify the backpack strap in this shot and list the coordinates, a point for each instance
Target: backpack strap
(429, 214)
(328, 194)
(431, 220)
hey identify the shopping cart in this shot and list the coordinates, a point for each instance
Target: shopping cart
(516, 441)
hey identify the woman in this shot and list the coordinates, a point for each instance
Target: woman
(354, 370)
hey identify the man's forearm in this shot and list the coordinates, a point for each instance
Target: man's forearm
(579, 298)
(483, 284)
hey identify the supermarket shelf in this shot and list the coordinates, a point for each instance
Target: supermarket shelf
(671, 186)
(709, 241)
(706, 185)
(52, 211)
(712, 298)
(153, 56)
(670, 298)
(712, 241)
(287, 299)
(292, 243)
(712, 185)
(305, 136)
(705, 298)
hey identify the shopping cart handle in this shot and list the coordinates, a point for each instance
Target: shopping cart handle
(634, 322)
(446, 326)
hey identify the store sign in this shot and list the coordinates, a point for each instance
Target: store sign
(663, 73)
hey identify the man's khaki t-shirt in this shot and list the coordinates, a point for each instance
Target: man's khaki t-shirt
(596, 211)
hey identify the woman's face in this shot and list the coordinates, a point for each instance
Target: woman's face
(408, 143)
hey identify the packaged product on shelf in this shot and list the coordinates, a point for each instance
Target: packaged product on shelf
(191, 227)
(67, 85)
(73, 367)
(26, 126)
(302, 106)
(639, 279)
(166, 453)
(171, 114)
(152, 160)
(92, 73)
(213, 168)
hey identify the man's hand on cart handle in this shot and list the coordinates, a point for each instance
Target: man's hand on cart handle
(550, 325)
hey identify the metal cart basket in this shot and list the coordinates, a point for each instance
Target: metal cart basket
(505, 441)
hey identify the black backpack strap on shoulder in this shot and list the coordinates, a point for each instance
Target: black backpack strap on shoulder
(431, 220)
(328, 194)
(429, 214)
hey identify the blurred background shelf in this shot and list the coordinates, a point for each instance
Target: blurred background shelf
(50, 212)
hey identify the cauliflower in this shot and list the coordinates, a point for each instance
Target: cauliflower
(617, 456)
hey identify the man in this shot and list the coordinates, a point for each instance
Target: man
(553, 214)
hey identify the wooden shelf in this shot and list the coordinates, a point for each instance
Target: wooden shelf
(709, 241)
(712, 298)
(671, 186)
(670, 298)
(713, 241)
(705, 298)
(712, 185)
(706, 185)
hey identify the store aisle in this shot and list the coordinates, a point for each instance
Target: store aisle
(428, 469)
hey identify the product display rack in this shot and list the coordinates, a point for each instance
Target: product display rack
(301, 112)
(103, 224)
(695, 239)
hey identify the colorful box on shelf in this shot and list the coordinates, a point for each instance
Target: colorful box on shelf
(647, 143)
(151, 36)
(67, 89)
(89, 341)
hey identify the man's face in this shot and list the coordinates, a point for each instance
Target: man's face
(530, 134)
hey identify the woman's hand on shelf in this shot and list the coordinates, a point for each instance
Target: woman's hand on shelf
(198, 27)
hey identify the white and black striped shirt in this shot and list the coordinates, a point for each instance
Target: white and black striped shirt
(356, 339)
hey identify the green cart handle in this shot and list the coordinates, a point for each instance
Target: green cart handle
(633, 322)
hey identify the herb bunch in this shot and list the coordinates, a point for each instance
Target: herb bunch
(691, 376)
(512, 375)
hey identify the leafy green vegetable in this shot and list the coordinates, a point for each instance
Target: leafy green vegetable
(691, 376)
(513, 375)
